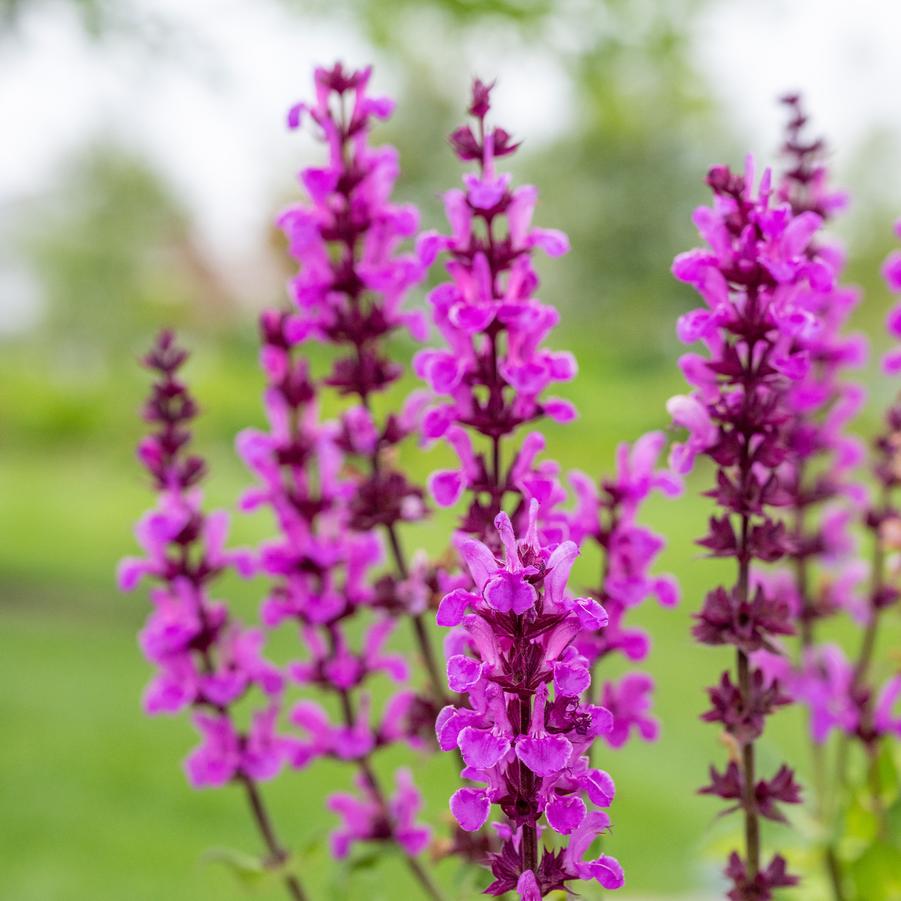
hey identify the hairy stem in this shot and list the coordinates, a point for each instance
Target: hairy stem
(527, 787)
(277, 853)
(261, 817)
(425, 881)
(749, 801)
(861, 673)
(419, 627)
(749, 798)
(817, 750)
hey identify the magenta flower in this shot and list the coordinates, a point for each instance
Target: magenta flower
(493, 372)
(521, 648)
(332, 488)
(629, 702)
(823, 682)
(205, 659)
(756, 278)
(522, 745)
(364, 820)
(608, 517)
(349, 294)
(822, 496)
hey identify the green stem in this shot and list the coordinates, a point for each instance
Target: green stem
(277, 853)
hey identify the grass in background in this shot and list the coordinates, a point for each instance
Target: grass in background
(94, 802)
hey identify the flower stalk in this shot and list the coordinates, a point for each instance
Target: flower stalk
(206, 661)
(524, 729)
(753, 279)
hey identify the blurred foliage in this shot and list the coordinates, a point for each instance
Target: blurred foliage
(113, 254)
(622, 175)
(870, 831)
(98, 19)
(113, 249)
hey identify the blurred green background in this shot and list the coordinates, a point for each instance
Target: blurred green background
(106, 235)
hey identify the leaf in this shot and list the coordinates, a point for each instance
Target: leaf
(372, 856)
(860, 823)
(876, 874)
(249, 870)
(893, 823)
(888, 771)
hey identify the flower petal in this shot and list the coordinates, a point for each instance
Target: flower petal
(544, 755)
(482, 748)
(470, 807)
(463, 672)
(565, 813)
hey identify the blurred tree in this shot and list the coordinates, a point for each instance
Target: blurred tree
(108, 245)
(622, 174)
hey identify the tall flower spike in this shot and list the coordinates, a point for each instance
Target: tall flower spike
(820, 473)
(753, 279)
(871, 709)
(523, 733)
(844, 695)
(349, 294)
(206, 661)
(820, 476)
(608, 518)
(324, 565)
(321, 573)
(493, 371)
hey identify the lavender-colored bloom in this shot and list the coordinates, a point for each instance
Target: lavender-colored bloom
(324, 566)
(607, 516)
(205, 659)
(755, 276)
(522, 743)
(524, 730)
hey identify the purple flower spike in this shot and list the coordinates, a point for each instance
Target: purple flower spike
(764, 280)
(516, 657)
(525, 727)
(493, 373)
(205, 659)
(337, 568)
(606, 515)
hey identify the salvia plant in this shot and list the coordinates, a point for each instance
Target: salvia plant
(514, 624)
(524, 697)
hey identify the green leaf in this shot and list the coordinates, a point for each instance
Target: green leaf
(249, 870)
(888, 771)
(876, 874)
(369, 858)
(893, 822)
(860, 823)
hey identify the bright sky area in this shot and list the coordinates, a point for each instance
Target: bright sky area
(215, 125)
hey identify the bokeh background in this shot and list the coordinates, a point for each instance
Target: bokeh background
(143, 156)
